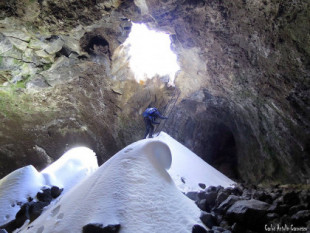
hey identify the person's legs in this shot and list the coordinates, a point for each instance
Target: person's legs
(151, 130)
(148, 125)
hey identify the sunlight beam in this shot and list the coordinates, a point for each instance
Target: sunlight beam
(150, 54)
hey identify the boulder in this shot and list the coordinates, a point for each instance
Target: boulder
(252, 213)
(218, 229)
(271, 216)
(201, 204)
(263, 196)
(99, 228)
(208, 219)
(202, 195)
(196, 229)
(192, 195)
(223, 207)
(45, 195)
(301, 217)
(221, 196)
(296, 208)
(56, 191)
(210, 200)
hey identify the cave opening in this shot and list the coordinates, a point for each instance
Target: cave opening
(97, 45)
(215, 143)
(150, 54)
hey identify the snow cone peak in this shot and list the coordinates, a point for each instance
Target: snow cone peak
(159, 153)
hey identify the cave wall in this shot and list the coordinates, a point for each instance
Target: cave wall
(241, 99)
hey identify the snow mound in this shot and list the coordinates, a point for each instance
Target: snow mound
(25, 182)
(71, 168)
(133, 189)
(15, 188)
(189, 167)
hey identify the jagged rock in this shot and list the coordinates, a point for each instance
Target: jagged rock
(221, 196)
(225, 224)
(99, 228)
(208, 219)
(192, 195)
(203, 186)
(36, 83)
(247, 194)
(296, 208)
(56, 191)
(272, 216)
(45, 195)
(211, 189)
(198, 229)
(201, 204)
(36, 208)
(202, 195)
(218, 229)
(237, 190)
(301, 217)
(210, 200)
(262, 196)
(225, 205)
(252, 213)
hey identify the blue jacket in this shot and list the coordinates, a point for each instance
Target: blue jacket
(152, 114)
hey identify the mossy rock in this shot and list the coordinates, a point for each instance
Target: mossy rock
(5, 75)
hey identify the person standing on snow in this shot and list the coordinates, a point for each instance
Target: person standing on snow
(150, 115)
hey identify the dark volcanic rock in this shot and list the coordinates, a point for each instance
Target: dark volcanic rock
(45, 195)
(192, 195)
(210, 200)
(198, 229)
(301, 217)
(208, 219)
(99, 228)
(56, 191)
(202, 204)
(252, 213)
(225, 205)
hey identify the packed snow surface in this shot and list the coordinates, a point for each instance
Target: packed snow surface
(191, 168)
(25, 182)
(133, 189)
(71, 168)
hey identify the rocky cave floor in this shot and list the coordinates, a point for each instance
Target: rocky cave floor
(249, 209)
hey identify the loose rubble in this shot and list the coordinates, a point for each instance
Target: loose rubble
(242, 209)
(32, 209)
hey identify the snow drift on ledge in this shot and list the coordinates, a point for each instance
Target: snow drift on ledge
(135, 190)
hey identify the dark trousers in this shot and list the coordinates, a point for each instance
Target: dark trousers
(149, 127)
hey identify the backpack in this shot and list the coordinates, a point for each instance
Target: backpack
(149, 112)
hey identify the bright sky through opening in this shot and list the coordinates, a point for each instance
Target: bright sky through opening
(150, 54)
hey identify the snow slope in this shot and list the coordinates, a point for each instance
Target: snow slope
(66, 172)
(133, 189)
(17, 187)
(190, 167)
(71, 168)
